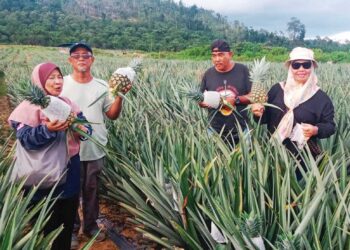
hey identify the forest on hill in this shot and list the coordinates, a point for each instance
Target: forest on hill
(147, 25)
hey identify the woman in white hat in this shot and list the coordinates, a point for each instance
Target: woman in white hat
(307, 112)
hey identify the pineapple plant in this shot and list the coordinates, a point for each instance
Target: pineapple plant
(123, 77)
(258, 72)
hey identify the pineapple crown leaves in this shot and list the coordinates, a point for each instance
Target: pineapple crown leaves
(259, 70)
(251, 224)
(193, 94)
(34, 94)
(288, 242)
(136, 64)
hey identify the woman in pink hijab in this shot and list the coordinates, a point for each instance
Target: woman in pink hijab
(306, 113)
(46, 155)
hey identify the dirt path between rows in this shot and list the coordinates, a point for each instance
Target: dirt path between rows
(118, 217)
(4, 114)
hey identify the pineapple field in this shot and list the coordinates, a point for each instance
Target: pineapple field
(184, 189)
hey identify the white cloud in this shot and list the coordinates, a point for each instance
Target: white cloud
(320, 17)
(342, 37)
(249, 6)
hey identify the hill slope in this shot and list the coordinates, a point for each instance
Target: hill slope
(149, 25)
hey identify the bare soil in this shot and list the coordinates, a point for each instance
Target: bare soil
(119, 216)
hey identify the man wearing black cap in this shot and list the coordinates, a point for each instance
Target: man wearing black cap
(231, 80)
(82, 88)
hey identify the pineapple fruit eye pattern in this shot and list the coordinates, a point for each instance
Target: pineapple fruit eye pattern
(258, 74)
(124, 77)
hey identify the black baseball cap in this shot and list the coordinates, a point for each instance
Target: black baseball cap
(220, 45)
(74, 46)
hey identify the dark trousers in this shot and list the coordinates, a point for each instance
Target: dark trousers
(63, 212)
(89, 180)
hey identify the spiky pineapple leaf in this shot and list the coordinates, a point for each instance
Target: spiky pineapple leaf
(136, 64)
(259, 70)
(32, 93)
(195, 95)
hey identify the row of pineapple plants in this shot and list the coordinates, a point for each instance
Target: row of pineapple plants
(178, 182)
(161, 142)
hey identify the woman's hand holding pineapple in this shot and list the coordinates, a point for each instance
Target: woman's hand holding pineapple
(309, 130)
(56, 125)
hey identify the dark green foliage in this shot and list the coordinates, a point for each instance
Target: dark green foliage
(147, 25)
(150, 25)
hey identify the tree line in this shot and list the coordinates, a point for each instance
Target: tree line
(147, 25)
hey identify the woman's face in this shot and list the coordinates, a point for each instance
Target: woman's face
(301, 70)
(54, 83)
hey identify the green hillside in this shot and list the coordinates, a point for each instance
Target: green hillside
(147, 25)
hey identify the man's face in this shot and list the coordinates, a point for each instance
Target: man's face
(81, 59)
(221, 60)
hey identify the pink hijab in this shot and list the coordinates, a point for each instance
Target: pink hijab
(31, 115)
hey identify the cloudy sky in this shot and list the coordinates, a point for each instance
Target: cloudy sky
(321, 17)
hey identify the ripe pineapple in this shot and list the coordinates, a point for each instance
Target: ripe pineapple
(123, 77)
(258, 72)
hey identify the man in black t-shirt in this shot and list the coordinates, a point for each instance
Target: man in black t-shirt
(231, 80)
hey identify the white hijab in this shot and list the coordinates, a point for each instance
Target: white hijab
(294, 95)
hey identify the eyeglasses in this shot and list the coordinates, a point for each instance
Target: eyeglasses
(84, 56)
(297, 65)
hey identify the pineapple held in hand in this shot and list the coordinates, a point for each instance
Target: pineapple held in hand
(53, 107)
(258, 72)
(123, 77)
(213, 99)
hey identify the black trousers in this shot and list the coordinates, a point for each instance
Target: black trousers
(63, 212)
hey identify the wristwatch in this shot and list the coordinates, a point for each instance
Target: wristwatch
(237, 101)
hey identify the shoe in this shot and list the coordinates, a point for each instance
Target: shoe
(74, 242)
(100, 237)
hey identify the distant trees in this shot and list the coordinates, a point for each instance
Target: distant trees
(149, 25)
(296, 30)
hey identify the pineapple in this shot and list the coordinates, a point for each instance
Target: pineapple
(123, 77)
(258, 72)
(251, 226)
(288, 241)
(53, 107)
(213, 99)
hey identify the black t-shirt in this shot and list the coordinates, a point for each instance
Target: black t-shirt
(317, 111)
(232, 83)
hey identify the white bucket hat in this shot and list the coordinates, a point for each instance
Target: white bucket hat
(300, 53)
